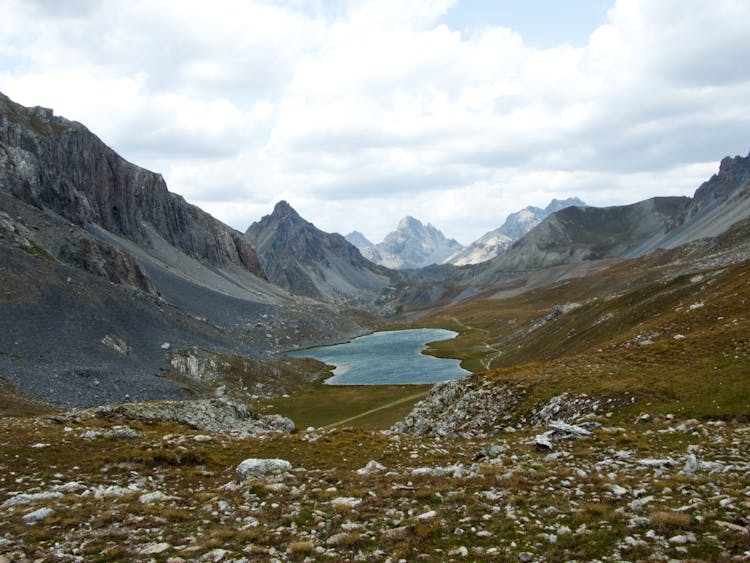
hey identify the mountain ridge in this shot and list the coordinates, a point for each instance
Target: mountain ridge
(516, 225)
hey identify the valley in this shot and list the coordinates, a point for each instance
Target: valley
(143, 362)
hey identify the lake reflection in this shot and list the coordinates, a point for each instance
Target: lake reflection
(387, 358)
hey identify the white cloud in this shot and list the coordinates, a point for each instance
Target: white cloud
(361, 112)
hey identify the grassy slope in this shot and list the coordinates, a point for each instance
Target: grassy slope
(621, 337)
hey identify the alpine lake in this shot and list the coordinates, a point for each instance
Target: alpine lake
(387, 358)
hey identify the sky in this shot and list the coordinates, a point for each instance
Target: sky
(457, 112)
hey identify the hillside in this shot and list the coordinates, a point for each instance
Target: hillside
(661, 331)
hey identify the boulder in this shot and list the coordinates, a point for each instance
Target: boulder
(256, 467)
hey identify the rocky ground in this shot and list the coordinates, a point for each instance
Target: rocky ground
(655, 488)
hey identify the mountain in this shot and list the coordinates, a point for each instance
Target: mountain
(106, 275)
(412, 245)
(577, 234)
(55, 164)
(516, 225)
(358, 239)
(307, 261)
(716, 205)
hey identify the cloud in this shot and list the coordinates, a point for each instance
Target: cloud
(360, 112)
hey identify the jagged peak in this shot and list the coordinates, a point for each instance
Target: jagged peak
(283, 209)
(409, 222)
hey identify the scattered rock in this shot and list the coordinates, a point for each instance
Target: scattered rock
(346, 502)
(371, 467)
(255, 467)
(156, 496)
(30, 498)
(154, 548)
(38, 515)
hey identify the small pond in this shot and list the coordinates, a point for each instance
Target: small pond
(387, 358)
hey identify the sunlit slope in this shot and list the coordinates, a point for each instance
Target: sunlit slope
(672, 327)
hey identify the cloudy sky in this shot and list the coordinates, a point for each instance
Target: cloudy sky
(359, 112)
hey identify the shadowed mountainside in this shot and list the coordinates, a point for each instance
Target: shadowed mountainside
(307, 261)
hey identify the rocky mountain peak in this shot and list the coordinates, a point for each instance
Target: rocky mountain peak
(283, 209)
(305, 260)
(409, 222)
(60, 166)
(516, 226)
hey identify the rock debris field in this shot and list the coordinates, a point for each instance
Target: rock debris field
(656, 488)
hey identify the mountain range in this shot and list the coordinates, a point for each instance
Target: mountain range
(414, 245)
(110, 280)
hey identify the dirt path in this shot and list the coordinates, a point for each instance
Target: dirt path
(380, 408)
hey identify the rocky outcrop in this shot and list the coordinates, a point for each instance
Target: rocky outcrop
(59, 165)
(214, 415)
(98, 258)
(307, 261)
(732, 181)
(465, 407)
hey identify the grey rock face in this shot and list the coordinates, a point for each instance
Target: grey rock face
(716, 206)
(59, 165)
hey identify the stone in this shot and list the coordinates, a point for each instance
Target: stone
(616, 489)
(256, 467)
(346, 502)
(657, 463)
(427, 515)
(156, 496)
(371, 467)
(342, 538)
(37, 515)
(30, 498)
(215, 555)
(154, 548)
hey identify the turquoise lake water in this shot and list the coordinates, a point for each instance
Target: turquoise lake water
(387, 358)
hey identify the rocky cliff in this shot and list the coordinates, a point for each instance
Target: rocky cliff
(717, 204)
(59, 165)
